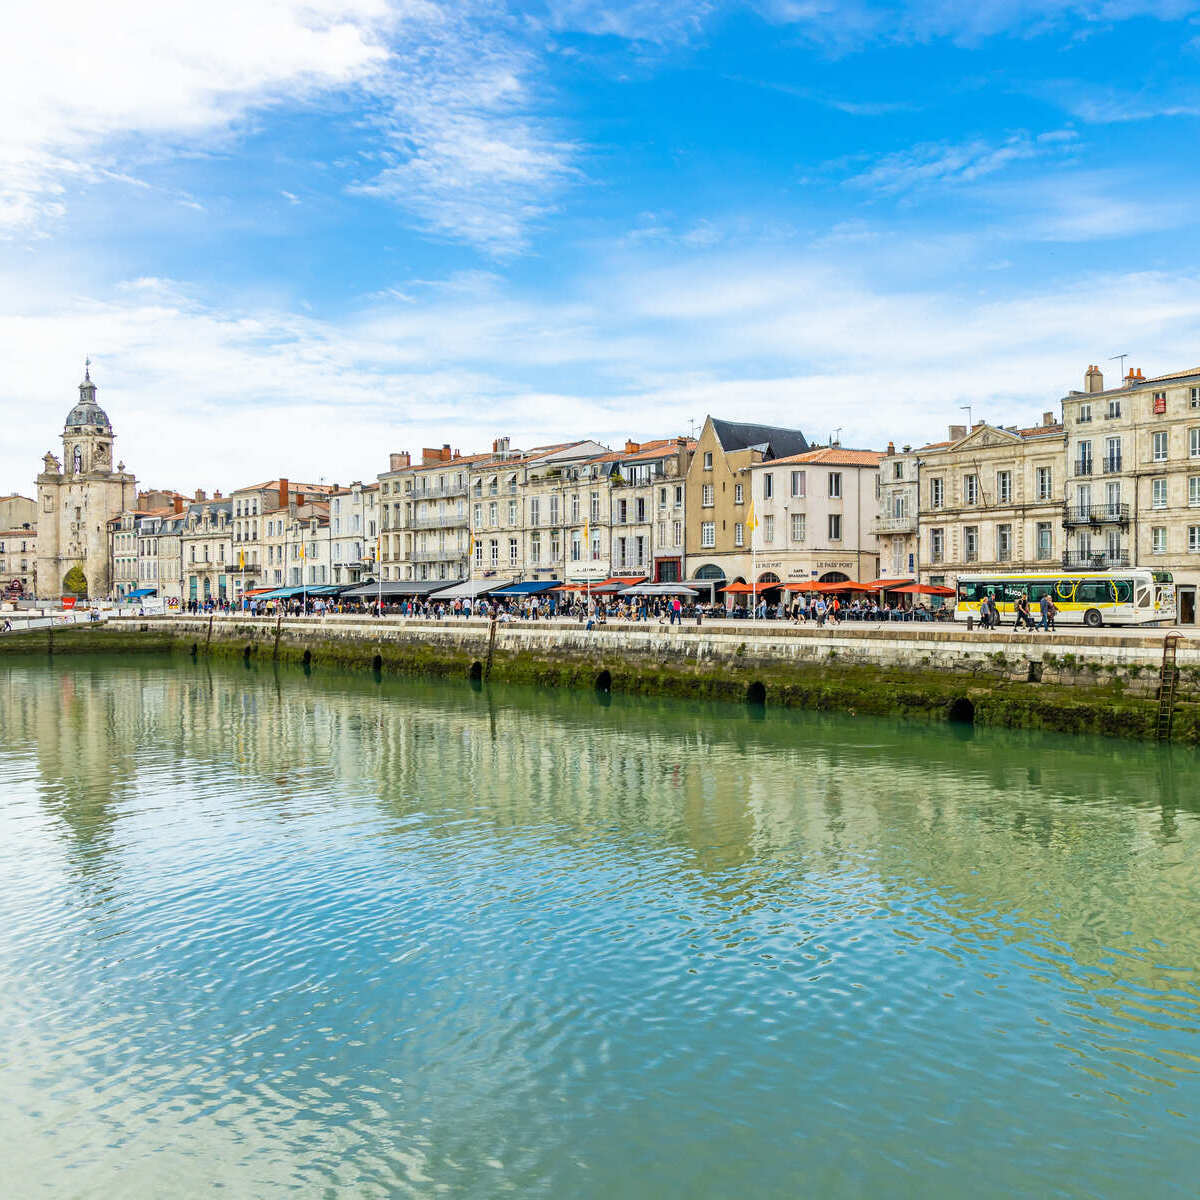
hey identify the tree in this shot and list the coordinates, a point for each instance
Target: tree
(75, 582)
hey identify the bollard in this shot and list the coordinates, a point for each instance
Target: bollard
(970, 622)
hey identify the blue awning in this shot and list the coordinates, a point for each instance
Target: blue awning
(138, 593)
(532, 588)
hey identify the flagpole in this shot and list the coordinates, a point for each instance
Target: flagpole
(379, 572)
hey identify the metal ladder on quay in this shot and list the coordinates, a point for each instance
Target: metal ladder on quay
(1168, 683)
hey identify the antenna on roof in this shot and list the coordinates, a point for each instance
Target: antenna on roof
(692, 428)
(970, 414)
(1122, 358)
(836, 440)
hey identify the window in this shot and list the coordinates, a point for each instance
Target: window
(1045, 483)
(835, 527)
(798, 483)
(768, 486)
(535, 512)
(898, 470)
(512, 512)
(1083, 458)
(575, 509)
(535, 548)
(1158, 539)
(679, 495)
(1003, 543)
(554, 512)
(937, 545)
(1112, 454)
(970, 489)
(677, 532)
(1160, 446)
(595, 507)
(708, 460)
(708, 533)
(835, 486)
(1085, 414)
(1004, 487)
(738, 495)
(1194, 443)
(494, 547)
(971, 543)
(769, 530)
(706, 495)
(1045, 540)
(1196, 397)
(1160, 403)
(739, 534)
(1158, 493)
(798, 530)
(1194, 539)
(937, 493)
(493, 513)
(1114, 407)
(1193, 491)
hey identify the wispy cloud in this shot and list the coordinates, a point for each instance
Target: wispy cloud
(949, 164)
(1105, 105)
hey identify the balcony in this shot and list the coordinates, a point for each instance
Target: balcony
(449, 554)
(1096, 514)
(1112, 464)
(437, 493)
(1083, 466)
(438, 521)
(904, 524)
(1104, 560)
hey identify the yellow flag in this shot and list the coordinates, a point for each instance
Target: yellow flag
(242, 559)
(302, 554)
(751, 523)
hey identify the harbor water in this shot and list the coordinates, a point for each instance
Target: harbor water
(332, 935)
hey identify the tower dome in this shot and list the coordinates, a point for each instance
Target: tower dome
(87, 411)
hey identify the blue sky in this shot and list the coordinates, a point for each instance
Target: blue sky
(295, 237)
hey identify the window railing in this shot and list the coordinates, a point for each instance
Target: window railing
(1103, 560)
(1095, 514)
(1083, 466)
(1112, 464)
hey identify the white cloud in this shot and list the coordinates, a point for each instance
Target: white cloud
(945, 163)
(848, 24)
(213, 396)
(452, 101)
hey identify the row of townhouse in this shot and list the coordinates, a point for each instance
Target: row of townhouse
(1114, 483)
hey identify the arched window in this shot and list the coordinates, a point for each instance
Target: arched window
(77, 460)
(709, 571)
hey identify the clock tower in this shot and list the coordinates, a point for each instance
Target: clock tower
(78, 497)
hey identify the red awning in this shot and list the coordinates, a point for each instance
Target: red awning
(845, 585)
(887, 585)
(926, 589)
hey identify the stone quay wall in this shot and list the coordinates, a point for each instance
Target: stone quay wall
(1073, 680)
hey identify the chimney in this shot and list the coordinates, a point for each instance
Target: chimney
(217, 495)
(1139, 375)
(283, 493)
(681, 442)
(299, 499)
(397, 461)
(177, 505)
(1131, 378)
(957, 432)
(891, 450)
(1093, 381)
(200, 496)
(1048, 419)
(978, 425)
(632, 447)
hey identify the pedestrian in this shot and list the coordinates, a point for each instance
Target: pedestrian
(1048, 608)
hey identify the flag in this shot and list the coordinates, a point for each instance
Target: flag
(587, 538)
(242, 559)
(302, 554)
(751, 523)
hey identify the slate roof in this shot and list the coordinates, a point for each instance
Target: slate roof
(779, 443)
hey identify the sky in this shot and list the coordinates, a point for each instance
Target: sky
(296, 237)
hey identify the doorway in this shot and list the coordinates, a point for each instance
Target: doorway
(1186, 597)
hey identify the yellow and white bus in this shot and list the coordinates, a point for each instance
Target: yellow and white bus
(1093, 598)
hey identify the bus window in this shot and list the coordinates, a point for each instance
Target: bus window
(1008, 593)
(1093, 591)
(972, 593)
(1038, 590)
(1143, 597)
(1123, 589)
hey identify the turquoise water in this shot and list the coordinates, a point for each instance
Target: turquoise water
(326, 936)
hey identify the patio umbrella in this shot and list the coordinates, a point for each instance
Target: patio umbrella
(738, 589)
(926, 589)
(845, 585)
(887, 585)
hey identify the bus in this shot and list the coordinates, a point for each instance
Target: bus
(1135, 596)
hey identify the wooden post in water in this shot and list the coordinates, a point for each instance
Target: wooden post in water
(50, 637)
(208, 639)
(278, 630)
(487, 670)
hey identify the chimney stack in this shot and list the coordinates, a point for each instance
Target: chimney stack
(217, 494)
(283, 493)
(200, 496)
(891, 450)
(177, 505)
(397, 462)
(1093, 380)
(957, 432)
(632, 447)
(1048, 419)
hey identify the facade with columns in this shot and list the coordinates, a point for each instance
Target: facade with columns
(77, 497)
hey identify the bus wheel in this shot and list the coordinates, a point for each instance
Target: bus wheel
(1091, 618)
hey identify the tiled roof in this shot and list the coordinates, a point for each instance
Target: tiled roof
(834, 456)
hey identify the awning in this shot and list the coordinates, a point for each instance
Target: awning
(842, 585)
(280, 593)
(390, 589)
(614, 583)
(886, 585)
(660, 589)
(529, 588)
(138, 593)
(926, 589)
(470, 588)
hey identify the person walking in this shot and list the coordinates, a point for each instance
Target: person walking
(1048, 609)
